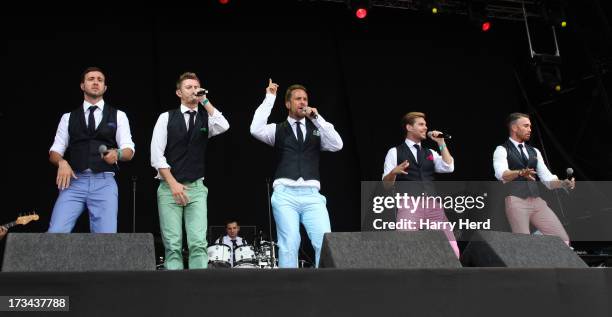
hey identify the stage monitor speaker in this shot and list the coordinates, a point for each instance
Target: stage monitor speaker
(505, 249)
(387, 250)
(78, 252)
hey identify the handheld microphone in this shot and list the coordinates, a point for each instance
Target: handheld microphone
(102, 149)
(201, 92)
(313, 116)
(569, 171)
(441, 135)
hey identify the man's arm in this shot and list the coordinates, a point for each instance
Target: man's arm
(177, 189)
(159, 162)
(259, 128)
(56, 154)
(217, 123)
(123, 137)
(391, 170)
(550, 180)
(330, 139)
(502, 171)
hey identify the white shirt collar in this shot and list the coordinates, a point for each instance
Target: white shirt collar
(411, 143)
(516, 144)
(86, 105)
(293, 121)
(185, 109)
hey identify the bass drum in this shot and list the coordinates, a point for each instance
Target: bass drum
(244, 254)
(219, 255)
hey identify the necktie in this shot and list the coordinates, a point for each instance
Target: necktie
(523, 156)
(298, 132)
(191, 122)
(91, 121)
(418, 156)
(234, 245)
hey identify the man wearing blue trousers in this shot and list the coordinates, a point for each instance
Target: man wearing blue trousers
(297, 144)
(94, 137)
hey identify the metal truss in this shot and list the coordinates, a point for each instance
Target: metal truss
(496, 9)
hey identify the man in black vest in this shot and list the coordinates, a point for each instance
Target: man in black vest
(411, 162)
(178, 151)
(96, 136)
(518, 165)
(297, 144)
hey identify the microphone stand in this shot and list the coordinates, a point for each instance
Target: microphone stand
(272, 244)
(545, 156)
(134, 179)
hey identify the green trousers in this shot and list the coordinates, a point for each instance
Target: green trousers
(171, 223)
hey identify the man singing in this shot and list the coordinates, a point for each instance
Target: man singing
(411, 162)
(297, 142)
(178, 151)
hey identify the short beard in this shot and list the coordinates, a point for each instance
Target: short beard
(93, 96)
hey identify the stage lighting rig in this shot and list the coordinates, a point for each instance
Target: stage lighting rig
(546, 65)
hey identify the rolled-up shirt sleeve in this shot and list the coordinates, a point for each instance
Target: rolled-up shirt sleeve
(544, 174)
(60, 143)
(217, 124)
(330, 138)
(440, 166)
(500, 162)
(124, 135)
(159, 141)
(390, 161)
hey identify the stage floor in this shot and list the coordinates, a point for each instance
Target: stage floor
(323, 292)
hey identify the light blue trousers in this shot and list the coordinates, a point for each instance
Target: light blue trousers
(95, 191)
(292, 206)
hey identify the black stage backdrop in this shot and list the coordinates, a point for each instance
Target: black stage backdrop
(361, 75)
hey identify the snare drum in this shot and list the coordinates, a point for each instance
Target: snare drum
(220, 255)
(244, 254)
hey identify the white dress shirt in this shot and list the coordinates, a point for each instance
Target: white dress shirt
(500, 164)
(217, 124)
(266, 133)
(228, 241)
(123, 137)
(439, 165)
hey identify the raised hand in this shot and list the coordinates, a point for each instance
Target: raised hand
(272, 87)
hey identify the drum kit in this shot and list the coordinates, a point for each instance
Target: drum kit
(246, 256)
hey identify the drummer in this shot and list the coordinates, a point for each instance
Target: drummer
(231, 238)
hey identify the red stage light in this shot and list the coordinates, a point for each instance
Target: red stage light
(361, 13)
(223, 1)
(486, 26)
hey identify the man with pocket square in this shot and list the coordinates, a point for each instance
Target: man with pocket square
(178, 151)
(94, 137)
(297, 143)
